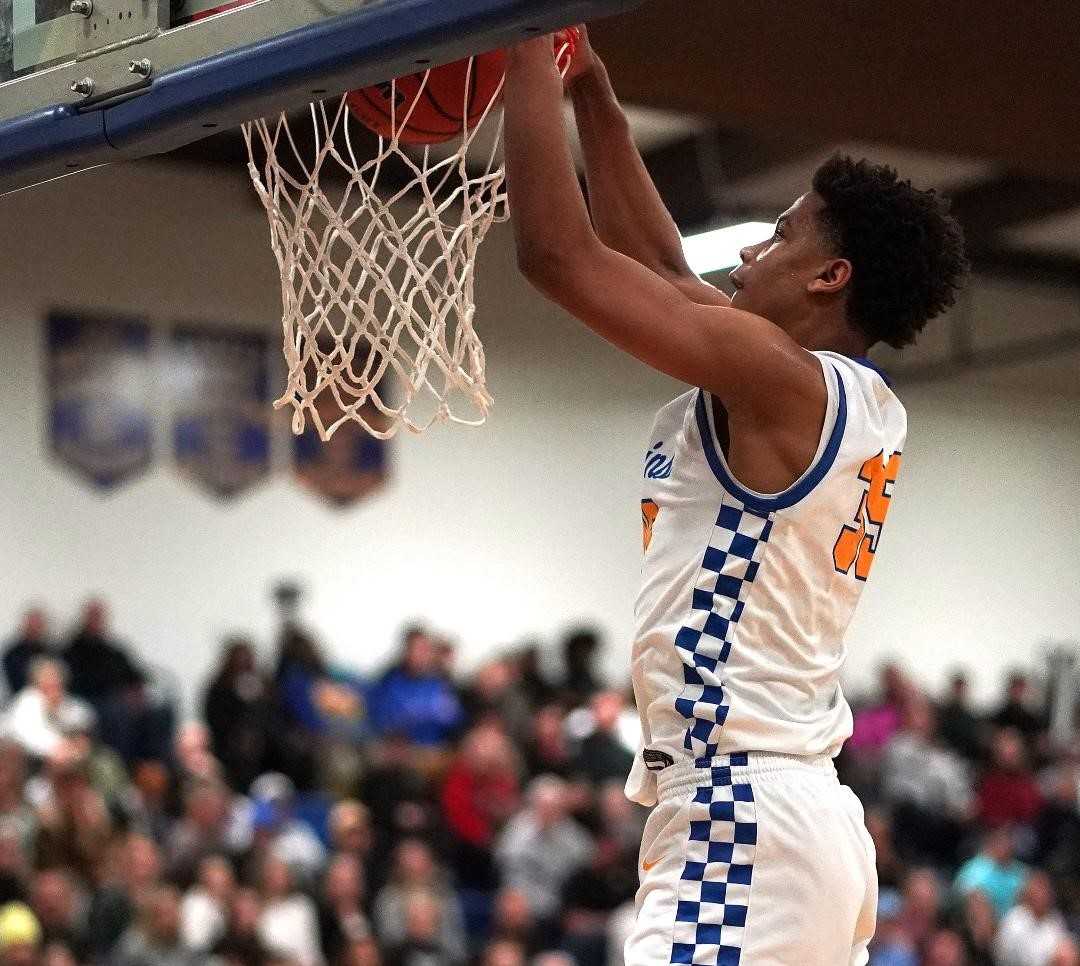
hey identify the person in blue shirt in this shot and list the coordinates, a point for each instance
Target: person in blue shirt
(413, 698)
(994, 871)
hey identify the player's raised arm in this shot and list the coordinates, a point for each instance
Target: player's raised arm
(627, 210)
(748, 362)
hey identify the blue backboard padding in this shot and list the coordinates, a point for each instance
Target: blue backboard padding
(57, 132)
(371, 44)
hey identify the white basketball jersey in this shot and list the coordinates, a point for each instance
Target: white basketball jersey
(746, 597)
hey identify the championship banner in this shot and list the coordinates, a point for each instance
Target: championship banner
(221, 407)
(349, 467)
(99, 379)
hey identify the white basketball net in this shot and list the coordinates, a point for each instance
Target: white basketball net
(376, 281)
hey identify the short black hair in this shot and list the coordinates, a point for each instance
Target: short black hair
(906, 249)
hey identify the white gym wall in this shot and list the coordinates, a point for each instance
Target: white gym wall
(516, 529)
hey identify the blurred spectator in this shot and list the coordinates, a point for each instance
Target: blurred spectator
(602, 756)
(415, 872)
(135, 723)
(421, 934)
(341, 917)
(892, 946)
(542, 847)
(126, 882)
(495, 693)
(1033, 930)
(363, 952)
(413, 698)
(155, 941)
(26, 647)
(547, 751)
(20, 935)
(42, 717)
(289, 923)
(239, 709)
(993, 871)
(891, 868)
(581, 679)
(75, 825)
(959, 727)
(1007, 793)
(204, 910)
(150, 803)
(194, 755)
(100, 666)
(945, 948)
(513, 921)
(479, 794)
(591, 895)
(1015, 709)
(503, 952)
(620, 821)
(60, 909)
(57, 954)
(400, 799)
(15, 866)
(874, 725)
(1058, 829)
(978, 927)
(534, 683)
(279, 831)
(350, 830)
(241, 945)
(921, 906)
(17, 815)
(1067, 953)
(204, 829)
(927, 787)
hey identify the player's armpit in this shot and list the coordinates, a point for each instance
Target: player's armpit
(752, 366)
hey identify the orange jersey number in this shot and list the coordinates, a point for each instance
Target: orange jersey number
(649, 512)
(856, 546)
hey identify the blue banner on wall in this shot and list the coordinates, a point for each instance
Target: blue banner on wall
(221, 407)
(99, 379)
(349, 467)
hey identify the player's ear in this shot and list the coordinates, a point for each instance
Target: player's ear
(833, 277)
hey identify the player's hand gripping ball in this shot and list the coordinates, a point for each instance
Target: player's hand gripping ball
(440, 104)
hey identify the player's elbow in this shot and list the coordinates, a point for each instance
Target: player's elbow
(540, 265)
(547, 266)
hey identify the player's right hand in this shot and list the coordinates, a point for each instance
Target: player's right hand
(585, 59)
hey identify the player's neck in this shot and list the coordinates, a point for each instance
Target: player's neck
(825, 332)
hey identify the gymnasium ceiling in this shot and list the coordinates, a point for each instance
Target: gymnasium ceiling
(734, 104)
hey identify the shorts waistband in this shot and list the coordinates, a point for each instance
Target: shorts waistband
(740, 768)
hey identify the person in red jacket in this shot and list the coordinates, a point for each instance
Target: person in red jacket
(481, 790)
(1008, 793)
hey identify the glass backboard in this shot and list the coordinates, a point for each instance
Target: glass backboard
(88, 82)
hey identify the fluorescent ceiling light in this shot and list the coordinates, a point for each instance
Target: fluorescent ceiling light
(719, 249)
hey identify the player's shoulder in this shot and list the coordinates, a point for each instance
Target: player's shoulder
(869, 397)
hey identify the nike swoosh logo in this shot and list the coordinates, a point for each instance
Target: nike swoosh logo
(649, 866)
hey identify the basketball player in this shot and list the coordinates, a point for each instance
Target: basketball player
(766, 490)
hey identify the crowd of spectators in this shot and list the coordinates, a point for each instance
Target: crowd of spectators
(311, 816)
(314, 816)
(976, 822)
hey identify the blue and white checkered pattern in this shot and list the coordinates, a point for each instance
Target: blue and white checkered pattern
(714, 890)
(704, 642)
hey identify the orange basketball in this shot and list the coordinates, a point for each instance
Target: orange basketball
(432, 106)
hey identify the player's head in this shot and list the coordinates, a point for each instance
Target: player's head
(863, 251)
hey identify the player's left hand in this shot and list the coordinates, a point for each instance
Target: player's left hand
(583, 59)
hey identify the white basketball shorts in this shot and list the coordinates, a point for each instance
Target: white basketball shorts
(758, 860)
